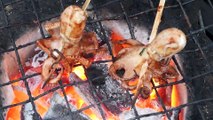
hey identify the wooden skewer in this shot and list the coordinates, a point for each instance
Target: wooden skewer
(86, 4)
(157, 20)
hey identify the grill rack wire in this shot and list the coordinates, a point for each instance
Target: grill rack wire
(191, 33)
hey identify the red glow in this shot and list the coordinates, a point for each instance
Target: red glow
(115, 37)
(42, 103)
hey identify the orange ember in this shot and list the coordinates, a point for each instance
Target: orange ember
(42, 104)
(79, 71)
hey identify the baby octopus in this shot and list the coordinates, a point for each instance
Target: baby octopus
(144, 62)
(68, 44)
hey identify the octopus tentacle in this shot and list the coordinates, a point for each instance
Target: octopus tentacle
(130, 42)
(68, 43)
(49, 67)
(126, 85)
(82, 60)
(114, 72)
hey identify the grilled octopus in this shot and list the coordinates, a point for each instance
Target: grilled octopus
(68, 44)
(144, 62)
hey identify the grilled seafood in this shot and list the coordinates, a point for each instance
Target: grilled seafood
(68, 45)
(143, 63)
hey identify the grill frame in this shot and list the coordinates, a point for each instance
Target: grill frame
(191, 33)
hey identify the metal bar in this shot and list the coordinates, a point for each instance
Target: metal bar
(131, 28)
(183, 80)
(151, 4)
(87, 107)
(105, 39)
(92, 105)
(155, 9)
(4, 13)
(189, 86)
(105, 4)
(201, 20)
(175, 108)
(194, 38)
(31, 43)
(94, 95)
(200, 30)
(210, 3)
(21, 67)
(109, 18)
(118, 17)
(62, 4)
(133, 107)
(19, 79)
(1, 115)
(202, 52)
(25, 80)
(18, 47)
(14, 105)
(209, 46)
(65, 96)
(131, 31)
(184, 13)
(40, 95)
(13, 2)
(161, 101)
(170, 84)
(56, 88)
(38, 19)
(109, 47)
(199, 47)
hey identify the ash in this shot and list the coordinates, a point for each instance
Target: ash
(101, 88)
(107, 88)
(58, 110)
(39, 57)
(130, 114)
(27, 112)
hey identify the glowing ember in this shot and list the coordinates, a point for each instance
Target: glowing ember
(79, 71)
(42, 104)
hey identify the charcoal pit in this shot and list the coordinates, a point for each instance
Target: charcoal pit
(21, 25)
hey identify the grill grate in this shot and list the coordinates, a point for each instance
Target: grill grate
(192, 34)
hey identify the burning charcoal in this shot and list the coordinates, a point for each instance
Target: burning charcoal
(131, 114)
(33, 82)
(27, 112)
(58, 110)
(110, 90)
(84, 91)
(105, 87)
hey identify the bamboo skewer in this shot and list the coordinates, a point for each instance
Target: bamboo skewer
(157, 20)
(86, 4)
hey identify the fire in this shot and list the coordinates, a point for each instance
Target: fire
(79, 102)
(175, 97)
(42, 104)
(148, 103)
(79, 71)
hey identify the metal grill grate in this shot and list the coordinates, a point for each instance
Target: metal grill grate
(192, 34)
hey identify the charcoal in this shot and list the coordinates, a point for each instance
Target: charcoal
(27, 112)
(85, 92)
(129, 115)
(58, 110)
(110, 90)
(106, 89)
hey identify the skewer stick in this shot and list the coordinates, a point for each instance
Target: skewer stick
(86, 4)
(157, 20)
